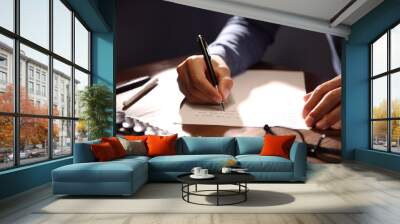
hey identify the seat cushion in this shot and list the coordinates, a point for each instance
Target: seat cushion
(185, 163)
(257, 163)
(132, 159)
(112, 171)
(206, 145)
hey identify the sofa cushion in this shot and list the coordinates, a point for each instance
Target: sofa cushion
(161, 145)
(257, 163)
(136, 137)
(185, 163)
(249, 145)
(112, 171)
(83, 152)
(277, 145)
(116, 145)
(134, 147)
(206, 145)
(103, 152)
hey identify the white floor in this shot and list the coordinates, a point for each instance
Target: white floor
(379, 190)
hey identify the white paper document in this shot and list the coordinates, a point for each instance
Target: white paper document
(258, 97)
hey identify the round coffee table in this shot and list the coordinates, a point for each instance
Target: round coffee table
(238, 179)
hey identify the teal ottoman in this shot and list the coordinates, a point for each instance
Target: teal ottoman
(118, 177)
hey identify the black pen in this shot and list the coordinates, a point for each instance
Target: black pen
(207, 59)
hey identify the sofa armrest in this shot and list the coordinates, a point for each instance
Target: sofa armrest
(83, 152)
(298, 155)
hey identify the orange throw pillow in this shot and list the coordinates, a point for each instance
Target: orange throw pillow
(277, 145)
(161, 145)
(136, 137)
(116, 145)
(103, 152)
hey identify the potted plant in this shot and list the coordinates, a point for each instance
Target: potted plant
(96, 104)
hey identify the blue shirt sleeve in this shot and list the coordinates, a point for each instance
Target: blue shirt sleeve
(242, 42)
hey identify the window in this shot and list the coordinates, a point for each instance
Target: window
(7, 14)
(38, 89)
(7, 73)
(81, 45)
(34, 21)
(62, 74)
(43, 77)
(44, 91)
(33, 149)
(3, 61)
(81, 81)
(48, 35)
(30, 72)
(62, 31)
(38, 73)
(55, 100)
(3, 72)
(3, 81)
(3, 78)
(62, 137)
(30, 87)
(385, 91)
(6, 142)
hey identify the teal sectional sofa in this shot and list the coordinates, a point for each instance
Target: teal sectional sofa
(125, 176)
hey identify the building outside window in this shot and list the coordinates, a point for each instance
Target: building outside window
(385, 91)
(57, 127)
(37, 74)
(3, 72)
(3, 78)
(3, 61)
(30, 87)
(30, 72)
(3, 81)
(44, 77)
(38, 89)
(55, 96)
(43, 90)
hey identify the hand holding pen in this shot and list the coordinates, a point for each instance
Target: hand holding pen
(211, 74)
(194, 82)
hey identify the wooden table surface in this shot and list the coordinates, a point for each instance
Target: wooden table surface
(161, 105)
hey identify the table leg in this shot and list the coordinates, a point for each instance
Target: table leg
(217, 194)
(188, 190)
(182, 188)
(196, 187)
(245, 191)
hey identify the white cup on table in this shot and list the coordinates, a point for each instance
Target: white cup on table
(203, 172)
(226, 170)
(196, 170)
